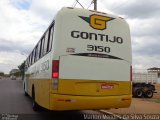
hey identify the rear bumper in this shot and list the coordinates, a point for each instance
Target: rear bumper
(68, 102)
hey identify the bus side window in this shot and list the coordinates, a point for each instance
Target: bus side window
(51, 32)
(29, 61)
(33, 53)
(35, 56)
(38, 50)
(41, 47)
(46, 43)
(26, 63)
(32, 57)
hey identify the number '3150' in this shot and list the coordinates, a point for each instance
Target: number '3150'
(98, 48)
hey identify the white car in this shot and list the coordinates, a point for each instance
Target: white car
(13, 77)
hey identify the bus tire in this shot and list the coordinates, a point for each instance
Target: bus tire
(149, 94)
(35, 106)
(25, 93)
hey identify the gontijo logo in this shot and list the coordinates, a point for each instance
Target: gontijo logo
(98, 22)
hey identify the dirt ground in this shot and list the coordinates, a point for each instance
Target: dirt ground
(157, 95)
(142, 105)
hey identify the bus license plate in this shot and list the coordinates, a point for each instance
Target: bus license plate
(106, 86)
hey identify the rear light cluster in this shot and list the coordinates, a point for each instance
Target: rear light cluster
(55, 73)
(55, 68)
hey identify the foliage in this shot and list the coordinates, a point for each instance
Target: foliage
(1, 73)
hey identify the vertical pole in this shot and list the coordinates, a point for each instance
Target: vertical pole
(95, 4)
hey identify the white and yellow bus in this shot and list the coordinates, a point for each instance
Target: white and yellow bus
(82, 61)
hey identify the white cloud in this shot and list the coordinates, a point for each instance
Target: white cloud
(18, 25)
(145, 62)
(10, 60)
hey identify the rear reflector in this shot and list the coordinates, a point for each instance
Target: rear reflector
(124, 99)
(55, 68)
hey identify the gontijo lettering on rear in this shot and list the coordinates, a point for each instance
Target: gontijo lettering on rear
(97, 22)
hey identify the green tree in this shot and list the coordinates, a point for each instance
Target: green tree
(15, 72)
(1, 73)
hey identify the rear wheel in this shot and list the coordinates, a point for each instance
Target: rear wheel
(35, 106)
(26, 94)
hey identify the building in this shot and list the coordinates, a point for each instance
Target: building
(155, 70)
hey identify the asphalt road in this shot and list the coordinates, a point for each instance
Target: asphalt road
(15, 105)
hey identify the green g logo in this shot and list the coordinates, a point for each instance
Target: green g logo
(98, 22)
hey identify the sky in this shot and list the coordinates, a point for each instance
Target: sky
(22, 23)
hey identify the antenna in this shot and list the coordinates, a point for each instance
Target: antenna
(93, 1)
(95, 4)
(90, 4)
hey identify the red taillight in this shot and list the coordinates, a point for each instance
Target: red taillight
(131, 73)
(55, 75)
(55, 68)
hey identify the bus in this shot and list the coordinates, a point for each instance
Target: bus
(82, 61)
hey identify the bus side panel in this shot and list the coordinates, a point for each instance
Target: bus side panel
(30, 83)
(42, 92)
(39, 76)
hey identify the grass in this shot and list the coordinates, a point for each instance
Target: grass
(152, 100)
(156, 100)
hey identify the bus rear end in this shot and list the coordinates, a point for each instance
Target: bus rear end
(91, 67)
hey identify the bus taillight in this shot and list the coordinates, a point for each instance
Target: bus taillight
(55, 73)
(55, 68)
(131, 73)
